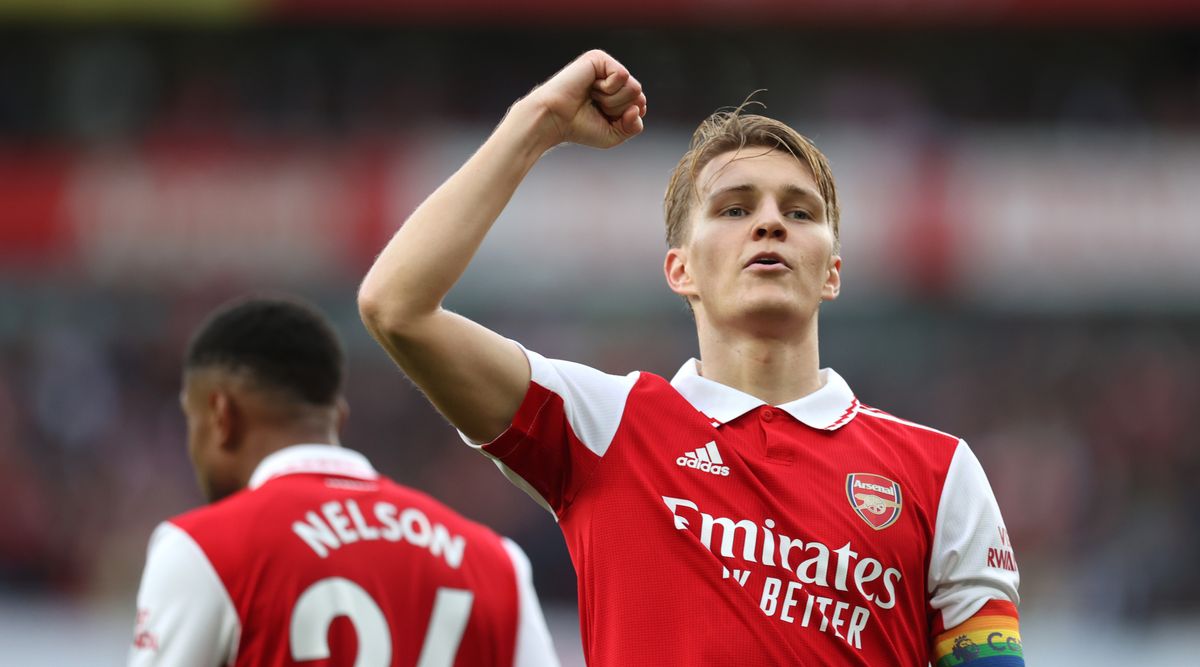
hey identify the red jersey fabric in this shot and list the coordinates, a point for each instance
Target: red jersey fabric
(324, 562)
(708, 528)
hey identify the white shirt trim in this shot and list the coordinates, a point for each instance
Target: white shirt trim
(961, 579)
(312, 459)
(593, 400)
(534, 647)
(879, 414)
(185, 615)
(593, 403)
(828, 408)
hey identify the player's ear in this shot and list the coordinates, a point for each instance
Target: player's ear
(833, 279)
(679, 278)
(343, 413)
(225, 419)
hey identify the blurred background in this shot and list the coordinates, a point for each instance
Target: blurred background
(1020, 184)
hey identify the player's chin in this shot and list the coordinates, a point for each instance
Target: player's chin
(770, 295)
(772, 308)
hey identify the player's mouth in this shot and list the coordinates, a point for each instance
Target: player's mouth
(767, 262)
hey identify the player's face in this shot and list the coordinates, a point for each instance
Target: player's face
(760, 249)
(206, 434)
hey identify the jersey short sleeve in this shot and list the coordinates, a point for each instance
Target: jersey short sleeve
(973, 574)
(185, 615)
(534, 647)
(564, 426)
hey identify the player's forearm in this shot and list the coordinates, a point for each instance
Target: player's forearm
(430, 252)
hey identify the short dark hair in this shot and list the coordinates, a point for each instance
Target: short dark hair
(285, 343)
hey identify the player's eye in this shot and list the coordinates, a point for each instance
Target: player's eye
(800, 214)
(735, 212)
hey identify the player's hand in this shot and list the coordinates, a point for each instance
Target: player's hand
(593, 101)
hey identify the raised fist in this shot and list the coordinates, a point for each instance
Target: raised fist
(593, 101)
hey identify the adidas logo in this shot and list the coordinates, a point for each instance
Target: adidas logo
(706, 459)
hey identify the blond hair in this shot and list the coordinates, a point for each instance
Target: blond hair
(733, 130)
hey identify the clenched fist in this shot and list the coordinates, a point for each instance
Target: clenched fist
(593, 101)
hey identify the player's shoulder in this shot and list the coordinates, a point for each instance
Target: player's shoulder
(651, 379)
(212, 514)
(223, 521)
(909, 429)
(552, 370)
(238, 518)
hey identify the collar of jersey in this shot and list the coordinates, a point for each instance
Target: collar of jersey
(310, 459)
(828, 408)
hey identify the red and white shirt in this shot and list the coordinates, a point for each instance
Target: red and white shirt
(322, 561)
(708, 528)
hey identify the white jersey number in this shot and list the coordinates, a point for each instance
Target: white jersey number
(329, 598)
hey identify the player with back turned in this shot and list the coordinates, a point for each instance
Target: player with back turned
(751, 510)
(307, 555)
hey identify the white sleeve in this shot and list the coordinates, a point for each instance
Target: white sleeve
(566, 422)
(185, 615)
(593, 400)
(534, 648)
(972, 560)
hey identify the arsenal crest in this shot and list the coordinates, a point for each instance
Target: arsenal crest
(876, 499)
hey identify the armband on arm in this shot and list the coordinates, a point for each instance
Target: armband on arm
(990, 638)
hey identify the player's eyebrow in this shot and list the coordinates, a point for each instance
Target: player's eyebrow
(790, 190)
(804, 193)
(744, 187)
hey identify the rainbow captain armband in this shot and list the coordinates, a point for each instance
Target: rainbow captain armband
(990, 638)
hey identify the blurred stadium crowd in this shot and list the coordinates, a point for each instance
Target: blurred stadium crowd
(1085, 415)
(304, 80)
(1086, 426)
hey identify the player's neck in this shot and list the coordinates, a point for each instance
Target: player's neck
(772, 369)
(266, 440)
(275, 440)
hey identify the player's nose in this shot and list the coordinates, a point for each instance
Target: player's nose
(770, 225)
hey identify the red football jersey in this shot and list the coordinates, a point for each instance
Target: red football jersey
(324, 562)
(708, 528)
